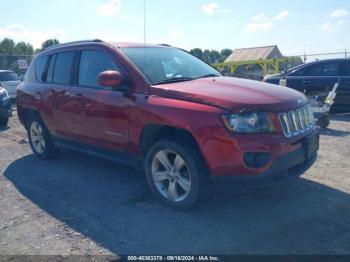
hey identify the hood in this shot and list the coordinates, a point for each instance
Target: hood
(10, 86)
(234, 94)
(279, 75)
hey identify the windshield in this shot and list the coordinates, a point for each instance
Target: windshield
(8, 76)
(162, 65)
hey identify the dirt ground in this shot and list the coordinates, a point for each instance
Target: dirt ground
(78, 204)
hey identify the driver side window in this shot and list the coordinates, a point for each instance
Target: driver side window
(92, 63)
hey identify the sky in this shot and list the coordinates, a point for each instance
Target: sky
(297, 26)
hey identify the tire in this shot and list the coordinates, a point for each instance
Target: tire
(40, 139)
(323, 121)
(176, 173)
(4, 121)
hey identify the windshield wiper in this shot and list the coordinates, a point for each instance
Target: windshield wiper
(208, 75)
(174, 80)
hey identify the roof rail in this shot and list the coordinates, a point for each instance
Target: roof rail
(74, 42)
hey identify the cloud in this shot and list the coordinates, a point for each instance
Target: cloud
(259, 18)
(334, 21)
(257, 27)
(210, 8)
(261, 22)
(281, 15)
(109, 9)
(19, 32)
(331, 26)
(339, 13)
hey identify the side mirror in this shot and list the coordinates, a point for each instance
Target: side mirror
(110, 78)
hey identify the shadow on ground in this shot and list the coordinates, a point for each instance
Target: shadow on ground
(341, 117)
(111, 205)
(3, 128)
(333, 132)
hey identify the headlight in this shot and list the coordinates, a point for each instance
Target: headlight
(3, 94)
(255, 122)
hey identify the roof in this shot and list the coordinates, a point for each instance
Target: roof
(99, 42)
(254, 53)
(129, 44)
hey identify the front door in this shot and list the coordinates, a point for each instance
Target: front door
(102, 113)
(316, 79)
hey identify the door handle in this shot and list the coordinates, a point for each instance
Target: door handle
(306, 82)
(77, 96)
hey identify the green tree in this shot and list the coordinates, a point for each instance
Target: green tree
(197, 52)
(7, 46)
(49, 42)
(224, 54)
(206, 55)
(214, 56)
(24, 48)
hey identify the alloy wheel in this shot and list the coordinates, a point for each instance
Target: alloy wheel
(37, 137)
(171, 175)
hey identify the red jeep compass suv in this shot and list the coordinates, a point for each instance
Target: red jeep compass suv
(163, 110)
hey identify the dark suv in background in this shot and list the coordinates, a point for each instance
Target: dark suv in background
(318, 78)
(164, 111)
(5, 107)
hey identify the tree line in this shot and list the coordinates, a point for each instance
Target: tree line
(10, 52)
(211, 56)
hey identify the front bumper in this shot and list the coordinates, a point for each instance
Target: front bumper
(5, 108)
(229, 155)
(293, 164)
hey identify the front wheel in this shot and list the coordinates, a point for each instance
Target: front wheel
(175, 173)
(323, 121)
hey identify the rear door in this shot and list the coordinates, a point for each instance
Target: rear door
(57, 78)
(102, 112)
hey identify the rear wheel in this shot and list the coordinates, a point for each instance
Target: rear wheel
(175, 173)
(40, 139)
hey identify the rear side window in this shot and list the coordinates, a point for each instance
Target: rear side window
(40, 65)
(92, 63)
(63, 68)
(323, 69)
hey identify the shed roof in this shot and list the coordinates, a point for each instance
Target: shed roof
(254, 53)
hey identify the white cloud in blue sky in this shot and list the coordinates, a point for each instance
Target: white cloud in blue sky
(295, 26)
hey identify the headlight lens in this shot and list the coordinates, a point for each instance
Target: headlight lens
(3, 94)
(254, 122)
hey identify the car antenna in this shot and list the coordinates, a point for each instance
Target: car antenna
(144, 40)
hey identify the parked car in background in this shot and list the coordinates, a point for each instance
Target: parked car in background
(5, 107)
(166, 112)
(318, 78)
(9, 80)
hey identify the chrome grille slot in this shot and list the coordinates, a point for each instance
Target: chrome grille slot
(297, 121)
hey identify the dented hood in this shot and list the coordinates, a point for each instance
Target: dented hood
(234, 94)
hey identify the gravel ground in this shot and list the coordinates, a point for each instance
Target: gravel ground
(77, 204)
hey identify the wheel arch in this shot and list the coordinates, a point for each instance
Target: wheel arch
(154, 132)
(27, 113)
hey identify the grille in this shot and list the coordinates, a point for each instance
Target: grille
(297, 121)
